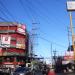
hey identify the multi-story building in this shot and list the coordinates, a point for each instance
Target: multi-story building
(13, 43)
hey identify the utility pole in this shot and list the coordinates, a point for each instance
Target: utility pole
(68, 37)
(51, 55)
(54, 56)
(69, 44)
(71, 8)
(72, 31)
(33, 36)
(71, 28)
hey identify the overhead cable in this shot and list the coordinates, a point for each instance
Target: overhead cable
(52, 42)
(7, 11)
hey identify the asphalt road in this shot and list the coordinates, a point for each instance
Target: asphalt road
(39, 73)
(66, 74)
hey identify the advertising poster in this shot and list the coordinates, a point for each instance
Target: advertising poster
(5, 40)
(20, 43)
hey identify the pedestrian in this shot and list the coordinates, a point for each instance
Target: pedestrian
(51, 72)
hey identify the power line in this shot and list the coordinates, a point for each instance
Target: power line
(29, 9)
(3, 19)
(47, 18)
(52, 42)
(49, 23)
(7, 11)
(21, 3)
(4, 14)
(44, 33)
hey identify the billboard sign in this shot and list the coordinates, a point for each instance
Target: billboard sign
(5, 40)
(69, 55)
(71, 5)
(21, 29)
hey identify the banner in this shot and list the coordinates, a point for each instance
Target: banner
(5, 40)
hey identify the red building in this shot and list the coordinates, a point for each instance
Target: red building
(13, 43)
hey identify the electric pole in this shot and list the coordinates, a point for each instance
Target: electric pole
(54, 57)
(69, 37)
(51, 55)
(71, 8)
(33, 38)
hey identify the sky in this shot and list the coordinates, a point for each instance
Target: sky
(51, 18)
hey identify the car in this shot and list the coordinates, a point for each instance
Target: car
(22, 71)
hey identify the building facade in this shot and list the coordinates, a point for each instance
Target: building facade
(13, 43)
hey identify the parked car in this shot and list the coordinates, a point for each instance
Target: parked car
(22, 71)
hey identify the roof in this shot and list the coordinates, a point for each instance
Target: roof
(8, 23)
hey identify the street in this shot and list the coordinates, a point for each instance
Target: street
(58, 74)
(39, 73)
(66, 74)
